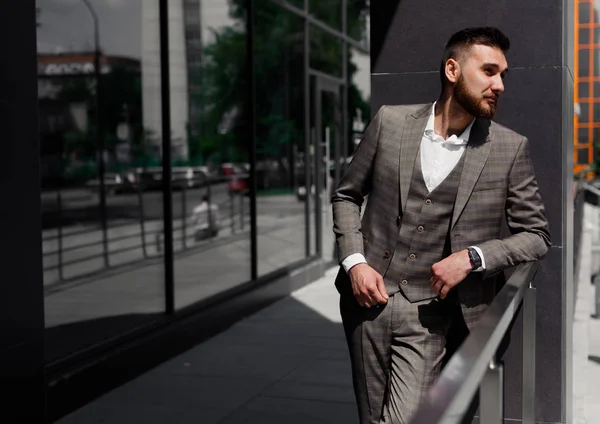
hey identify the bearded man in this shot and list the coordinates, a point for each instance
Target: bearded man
(427, 254)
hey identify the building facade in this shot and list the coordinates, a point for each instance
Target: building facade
(587, 85)
(264, 106)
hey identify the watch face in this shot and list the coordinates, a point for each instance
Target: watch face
(474, 257)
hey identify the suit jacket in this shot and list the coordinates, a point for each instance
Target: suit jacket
(497, 180)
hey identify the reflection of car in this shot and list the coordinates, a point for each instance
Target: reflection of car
(151, 179)
(237, 177)
(114, 183)
(181, 176)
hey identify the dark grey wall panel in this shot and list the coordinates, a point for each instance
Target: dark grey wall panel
(398, 89)
(21, 287)
(536, 115)
(22, 378)
(410, 37)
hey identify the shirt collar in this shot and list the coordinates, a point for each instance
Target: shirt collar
(461, 140)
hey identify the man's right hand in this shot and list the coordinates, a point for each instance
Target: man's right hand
(367, 285)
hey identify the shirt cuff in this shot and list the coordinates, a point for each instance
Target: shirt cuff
(353, 259)
(482, 267)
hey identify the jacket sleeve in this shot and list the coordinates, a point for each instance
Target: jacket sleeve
(352, 189)
(526, 219)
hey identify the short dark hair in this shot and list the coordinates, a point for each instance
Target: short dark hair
(463, 40)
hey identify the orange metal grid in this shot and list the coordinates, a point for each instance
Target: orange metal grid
(591, 99)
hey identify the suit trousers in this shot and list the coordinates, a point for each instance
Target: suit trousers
(397, 351)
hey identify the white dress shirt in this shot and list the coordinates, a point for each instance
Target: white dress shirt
(439, 156)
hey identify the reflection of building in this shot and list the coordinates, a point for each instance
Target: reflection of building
(66, 83)
(192, 20)
(193, 58)
(183, 59)
(587, 83)
(55, 69)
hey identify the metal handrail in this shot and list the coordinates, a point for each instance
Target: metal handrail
(473, 367)
(143, 234)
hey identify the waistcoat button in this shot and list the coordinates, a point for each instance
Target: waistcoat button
(404, 282)
(398, 221)
(420, 228)
(386, 254)
(412, 257)
(428, 202)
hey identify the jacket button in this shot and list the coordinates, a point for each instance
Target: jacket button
(420, 228)
(386, 254)
(412, 257)
(398, 221)
(404, 283)
(428, 202)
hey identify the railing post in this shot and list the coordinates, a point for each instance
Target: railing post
(492, 394)
(242, 210)
(232, 211)
(183, 215)
(142, 213)
(210, 203)
(529, 343)
(596, 296)
(60, 244)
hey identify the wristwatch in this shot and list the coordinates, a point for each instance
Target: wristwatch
(474, 258)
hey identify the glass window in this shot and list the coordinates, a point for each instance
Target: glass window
(297, 3)
(327, 11)
(583, 156)
(584, 62)
(596, 135)
(584, 13)
(595, 63)
(280, 120)
(583, 135)
(584, 90)
(584, 36)
(325, 52)
(209, 109)
(595, 114)
(99, 127)
(584, 115)
(357, 15)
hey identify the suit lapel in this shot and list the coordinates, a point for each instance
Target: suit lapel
(410, 142)
(476, 155)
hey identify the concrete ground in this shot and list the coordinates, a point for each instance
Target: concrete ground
(586, 329)
(289, 364)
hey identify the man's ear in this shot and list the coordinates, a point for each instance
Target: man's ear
(452, 70)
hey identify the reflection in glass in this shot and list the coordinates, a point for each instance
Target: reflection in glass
(325, 52)
(327, 11)
(103, 266)
(358, 21)
(211, 210)
(281, 190)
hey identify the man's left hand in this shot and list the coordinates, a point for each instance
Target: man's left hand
(450, 271)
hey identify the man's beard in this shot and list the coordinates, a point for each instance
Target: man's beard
(471, 103)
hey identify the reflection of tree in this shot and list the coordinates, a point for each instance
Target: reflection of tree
(279, 78)
(122, 91)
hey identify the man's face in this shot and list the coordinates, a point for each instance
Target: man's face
(480, 82)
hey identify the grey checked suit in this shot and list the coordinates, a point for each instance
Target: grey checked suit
(397, 349)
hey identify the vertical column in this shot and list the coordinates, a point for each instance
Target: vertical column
(407, 41)
(21, 287)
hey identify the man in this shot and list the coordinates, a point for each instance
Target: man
(206, 219)
(439, 178)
